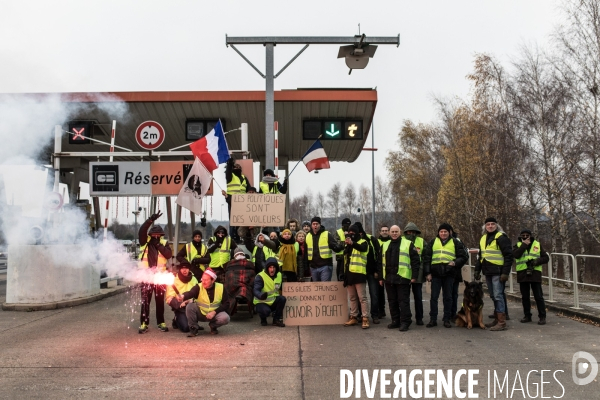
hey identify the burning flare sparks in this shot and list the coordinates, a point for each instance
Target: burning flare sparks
(164, 278)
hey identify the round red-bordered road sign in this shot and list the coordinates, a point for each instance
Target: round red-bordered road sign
(150, 135)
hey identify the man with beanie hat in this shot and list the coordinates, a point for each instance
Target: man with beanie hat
(306, 227)
(319, 246)
(495, 260)
(529, 257)
(339, 256)
(267, 293)
(196, 254)
(270, 184)
(355, 275)
(210, 305)
(399, 265)
(184, 282)
(154, 253)
(411, 232)
(441, 259)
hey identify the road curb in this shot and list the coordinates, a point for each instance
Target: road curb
(566, 310)
(67, 303)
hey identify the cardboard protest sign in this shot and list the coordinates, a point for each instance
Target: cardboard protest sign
(255, 209)
(315, 303)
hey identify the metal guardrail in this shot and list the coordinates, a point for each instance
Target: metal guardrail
(550, 278)
(112, 278)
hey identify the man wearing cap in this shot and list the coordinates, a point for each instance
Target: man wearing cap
(495, 261)
(211, 304)
(154, 253)
(236, 183)
(184, 281)
(220, 248)
(411, 232)
(196, 254)
(270, 184)
(399, 265)
(320, 246)
(239, 280)
(440, 259)
(267, 297)
(339, 256)
(529, 256)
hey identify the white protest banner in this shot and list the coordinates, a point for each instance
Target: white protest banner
(315, 303)
(255, 209)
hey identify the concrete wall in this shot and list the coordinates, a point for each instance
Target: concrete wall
(33, 279)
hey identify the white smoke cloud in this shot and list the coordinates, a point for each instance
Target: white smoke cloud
(26, 128)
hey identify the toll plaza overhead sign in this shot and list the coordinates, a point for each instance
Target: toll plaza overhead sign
(133, 178)
(332, 129)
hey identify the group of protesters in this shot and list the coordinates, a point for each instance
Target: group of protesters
(212, 279)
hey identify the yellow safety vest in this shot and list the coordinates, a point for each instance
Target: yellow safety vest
(358, 260)
(342, 236)
(161, 263)
(266, 251)
(404, 269)
(419, 243)
(271, 287)
(491, 253)
(219, 258)
(192, 253)
(264, 187)
(204, 302)
(181, 287)
(441, 254)
(236, 185)
(534, 253)
(324, 249)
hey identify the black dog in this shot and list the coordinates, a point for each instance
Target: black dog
(472, 307)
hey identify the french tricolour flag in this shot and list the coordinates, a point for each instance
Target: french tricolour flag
(315, 157)
(212, 149)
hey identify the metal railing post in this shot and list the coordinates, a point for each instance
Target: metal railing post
(575, 287)
(511, 288)
(550, 287)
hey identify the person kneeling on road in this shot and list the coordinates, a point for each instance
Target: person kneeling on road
(184, 281)
(267, 286)
(211, 305)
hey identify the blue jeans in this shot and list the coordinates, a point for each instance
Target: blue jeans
(443, 283)
(373, 294)
(496, 289)
(321, 274)
(181, 320)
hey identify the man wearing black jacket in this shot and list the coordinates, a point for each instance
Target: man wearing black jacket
(441, 259)
(399, 264)
(495, 260)
(196, 254)
(355, 275)
(529, 257)
(320, 248)
(384, 236)
(154, 254)
(372, 274)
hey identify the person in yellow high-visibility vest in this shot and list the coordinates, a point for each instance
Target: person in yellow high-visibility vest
(195, 253)
(495, 260)
(529, 257)
(184, 281)
(441, 259)
(384, 236)
(211, 303)
(220, 247)
(355, 275)
(321, 245)
(267, 293)
(399, 265)
(339, 256)
(154, 253)
(412, 233)
(236, 183)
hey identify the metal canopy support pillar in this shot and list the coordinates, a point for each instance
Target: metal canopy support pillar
(193, 220)
(169, 218)
(177, 222)
(97, 216)
(269, 107)
(373, 179)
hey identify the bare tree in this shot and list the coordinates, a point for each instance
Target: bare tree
(333, 201)
(349, 200)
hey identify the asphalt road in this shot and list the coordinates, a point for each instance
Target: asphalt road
(94, 351)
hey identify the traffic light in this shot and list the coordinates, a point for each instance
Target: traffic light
(80, 132)
(333, 129)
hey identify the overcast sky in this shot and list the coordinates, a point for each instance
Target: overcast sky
(102, 46)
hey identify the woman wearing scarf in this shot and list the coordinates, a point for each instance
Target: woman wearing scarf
(287, 256)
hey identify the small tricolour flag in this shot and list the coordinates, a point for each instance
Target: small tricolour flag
(315, 157)
(212, 149)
